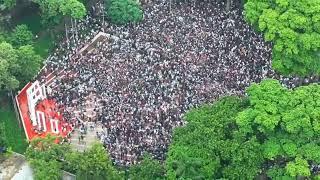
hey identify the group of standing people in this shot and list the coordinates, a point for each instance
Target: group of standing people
(144, 77)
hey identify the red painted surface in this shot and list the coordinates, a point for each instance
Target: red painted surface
(51, 111)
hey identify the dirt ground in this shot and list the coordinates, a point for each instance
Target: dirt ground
(10, 166)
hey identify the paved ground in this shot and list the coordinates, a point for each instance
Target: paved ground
(88, 140)
(14, 168)
(25, 173)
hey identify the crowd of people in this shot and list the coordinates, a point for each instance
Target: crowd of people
(144, 77)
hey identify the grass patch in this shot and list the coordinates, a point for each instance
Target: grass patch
(33, 21)
(43, 45)
(14, 135)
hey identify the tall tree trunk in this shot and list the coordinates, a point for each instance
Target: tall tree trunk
(228, 4)
(242, 4)
(15, 108)
(72, 32)
(66, 30)
(76, 28)
(103, 14)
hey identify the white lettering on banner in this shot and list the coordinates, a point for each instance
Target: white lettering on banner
(35, 93)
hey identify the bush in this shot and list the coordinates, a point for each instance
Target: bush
(208, 147)
(2, 139)
(294, 29)
(21, 35)
(149, 168)
(124, 11)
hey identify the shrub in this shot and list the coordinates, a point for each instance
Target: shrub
(124, 11)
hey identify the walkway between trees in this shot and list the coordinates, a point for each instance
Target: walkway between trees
(89, 138)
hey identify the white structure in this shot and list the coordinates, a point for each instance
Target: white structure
(35, 93)
(41, 121)
(54, 125)
(97, 38)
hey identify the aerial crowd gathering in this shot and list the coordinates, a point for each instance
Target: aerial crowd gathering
(140, 81)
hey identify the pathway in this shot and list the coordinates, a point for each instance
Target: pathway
(88, 140)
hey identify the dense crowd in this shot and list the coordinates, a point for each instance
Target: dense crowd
(142, 79)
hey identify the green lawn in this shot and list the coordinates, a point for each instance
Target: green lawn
(14, 135)
(32, 20)
(43, 45)
(44, 42)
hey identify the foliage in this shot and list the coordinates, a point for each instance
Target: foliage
(8, 62)
(21, 35)
(273, 132)
(3, 142)
(29, 63)
(294, 28)
(7, 4)
(45, 170)
(43, 43)
(13, 135)
(92, 164)
(299, 167)
(2, 36)
(147, 169)
(286, 122)
(73, 8)
(124, 11)
(278, 173)
(54, 10)
(43, 155)
(17, 65)
(208, 147)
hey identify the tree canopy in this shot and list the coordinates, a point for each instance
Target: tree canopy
(147, 169)
(123, 11)
(207, 148)
(7, 4)
(47, 157)
(274, 131)
(21, 35)
(92, 164)
(3, 142)
(294, 28)
(8, 63)
(52, 11)
(286, 122)
(43, 155)
(17, 65)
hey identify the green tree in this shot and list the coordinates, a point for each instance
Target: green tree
(3, 142)
(21, 35)
(210, 146)
(294, 28)
(74, 9)
(46, 170)
(92, 164)
(278, 173)
(286, 122)
(52, 11)
(7, 4)
(17, 66)
(48, 157)
(8, 62)
(29, 63)
(299, 167)
(44, 155)
(123, 11)
(272, 132)
(147, 169)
